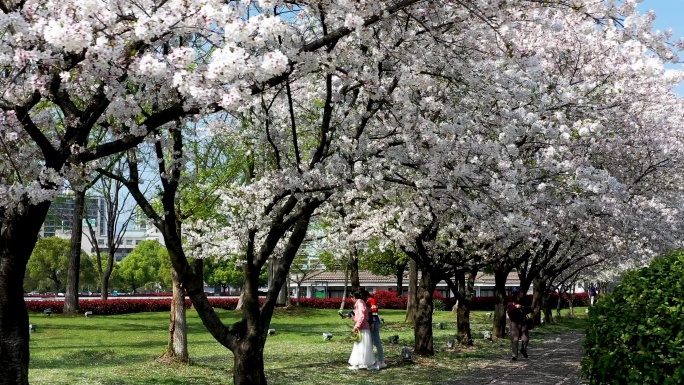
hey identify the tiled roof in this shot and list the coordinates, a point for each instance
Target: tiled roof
(488, 278)
(338, 277)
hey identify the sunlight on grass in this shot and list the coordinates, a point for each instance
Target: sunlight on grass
(123, 349)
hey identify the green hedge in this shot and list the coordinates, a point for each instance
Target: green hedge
(635, 336)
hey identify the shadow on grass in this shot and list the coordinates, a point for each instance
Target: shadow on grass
(157, 381)
(87, 358)
(108, 344)
(107, 327)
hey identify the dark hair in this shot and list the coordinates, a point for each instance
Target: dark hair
(357, 295)
(515, 291)
(366, 294)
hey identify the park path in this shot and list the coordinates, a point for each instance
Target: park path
(553, 361)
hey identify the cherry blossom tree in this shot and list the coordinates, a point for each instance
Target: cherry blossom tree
(331, 97)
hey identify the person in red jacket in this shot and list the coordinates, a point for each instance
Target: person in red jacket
(375, 327)
(516, 313)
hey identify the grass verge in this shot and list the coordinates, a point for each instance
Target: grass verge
(123, 350)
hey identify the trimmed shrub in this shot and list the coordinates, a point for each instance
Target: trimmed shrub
(636, 334)
(324, 303)
(226, 303)
(389, 300)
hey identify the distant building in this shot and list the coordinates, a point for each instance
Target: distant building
(59, 218)
(330, 284)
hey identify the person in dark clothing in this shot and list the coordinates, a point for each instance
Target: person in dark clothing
(592, 294)
(516, 313)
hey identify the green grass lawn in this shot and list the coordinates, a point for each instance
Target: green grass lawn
(124, 349)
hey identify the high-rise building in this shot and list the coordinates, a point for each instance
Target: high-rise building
(60, 217)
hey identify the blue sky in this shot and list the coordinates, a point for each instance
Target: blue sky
(669, 14)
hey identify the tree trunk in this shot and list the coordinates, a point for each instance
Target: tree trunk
(464, 333)
(499, 322)
(525, 283)
(240, 300)
(177, 348)
(18, 236)
(571, 298)
(423, 321)
(465, 295)
(354, 271)
(299, 293)
(400, 280)
(282, 296)
(412, 301)
(287, 289)
(539, 286)
(104, 285)
(548, 311)
(346, 284)
(14, 321)
(105, 274)
(73, 272)
(248, 362)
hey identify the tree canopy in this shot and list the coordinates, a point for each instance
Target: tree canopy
(510, 131)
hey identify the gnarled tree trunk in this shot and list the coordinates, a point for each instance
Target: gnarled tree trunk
(465, 294)
(14, 321)
(499, 322)
(18, 237)
(548, 311)
(248, 361)
(177, 348)
(423, 323)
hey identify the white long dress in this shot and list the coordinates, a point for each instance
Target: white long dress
(362, 353)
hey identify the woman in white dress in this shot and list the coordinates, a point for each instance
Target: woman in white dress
(362, 354)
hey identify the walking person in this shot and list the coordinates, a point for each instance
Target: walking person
(362, 353)
(593, 291)
(517, 312)
(375, 327)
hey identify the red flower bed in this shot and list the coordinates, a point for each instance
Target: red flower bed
(55, 306)
(323, 303)
(226, 303)
(108, 307)
(385, 300)
(126, 305)
(389, 300)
